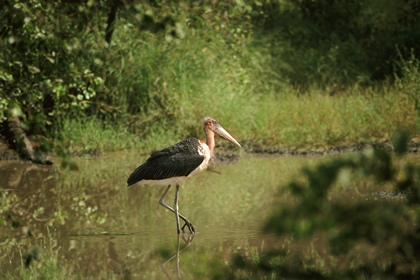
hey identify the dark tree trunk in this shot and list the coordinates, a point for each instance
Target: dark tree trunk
(111, 21)
(22, 144)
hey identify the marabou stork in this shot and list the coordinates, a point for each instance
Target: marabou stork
(172, 165)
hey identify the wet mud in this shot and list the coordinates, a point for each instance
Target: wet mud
(224, 151)
(253, 147)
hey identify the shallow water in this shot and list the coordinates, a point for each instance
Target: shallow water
(91, 220)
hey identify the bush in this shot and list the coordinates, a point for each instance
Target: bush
(46, 71)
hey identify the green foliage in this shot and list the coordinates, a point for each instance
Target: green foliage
(3, 108)
(45, 69)
(384, 227)
(326, 42)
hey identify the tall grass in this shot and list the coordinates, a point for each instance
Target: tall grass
(90, 136)
(320, 120)
(314, 120)
(161, 89)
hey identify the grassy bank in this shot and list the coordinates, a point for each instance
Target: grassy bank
(285, 119)
(161, 89)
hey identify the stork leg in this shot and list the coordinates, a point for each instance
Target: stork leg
(187, 222)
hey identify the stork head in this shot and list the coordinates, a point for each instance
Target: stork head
(211, 124)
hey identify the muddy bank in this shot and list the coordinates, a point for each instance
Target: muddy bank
(253, 147)
(6, 153)
(224, 150)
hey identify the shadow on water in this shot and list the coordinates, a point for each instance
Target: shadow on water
(90, 220)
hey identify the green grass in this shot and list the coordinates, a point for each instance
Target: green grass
(319, 120)
(92, 135)
(314, 120)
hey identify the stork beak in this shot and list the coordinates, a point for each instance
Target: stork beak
(225, 135)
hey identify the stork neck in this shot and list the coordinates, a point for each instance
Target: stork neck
(210, 140)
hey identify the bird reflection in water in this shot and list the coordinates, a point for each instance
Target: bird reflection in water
(187, 238)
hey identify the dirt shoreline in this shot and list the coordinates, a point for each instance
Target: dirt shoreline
(224, 150)
(413, 147)
(223, 154)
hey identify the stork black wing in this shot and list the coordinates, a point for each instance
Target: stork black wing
(178, 160)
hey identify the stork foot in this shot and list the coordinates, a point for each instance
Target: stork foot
(190, 227)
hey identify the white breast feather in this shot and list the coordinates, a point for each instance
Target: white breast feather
(203, 150)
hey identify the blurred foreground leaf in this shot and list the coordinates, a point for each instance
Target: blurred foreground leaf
(381, 229)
